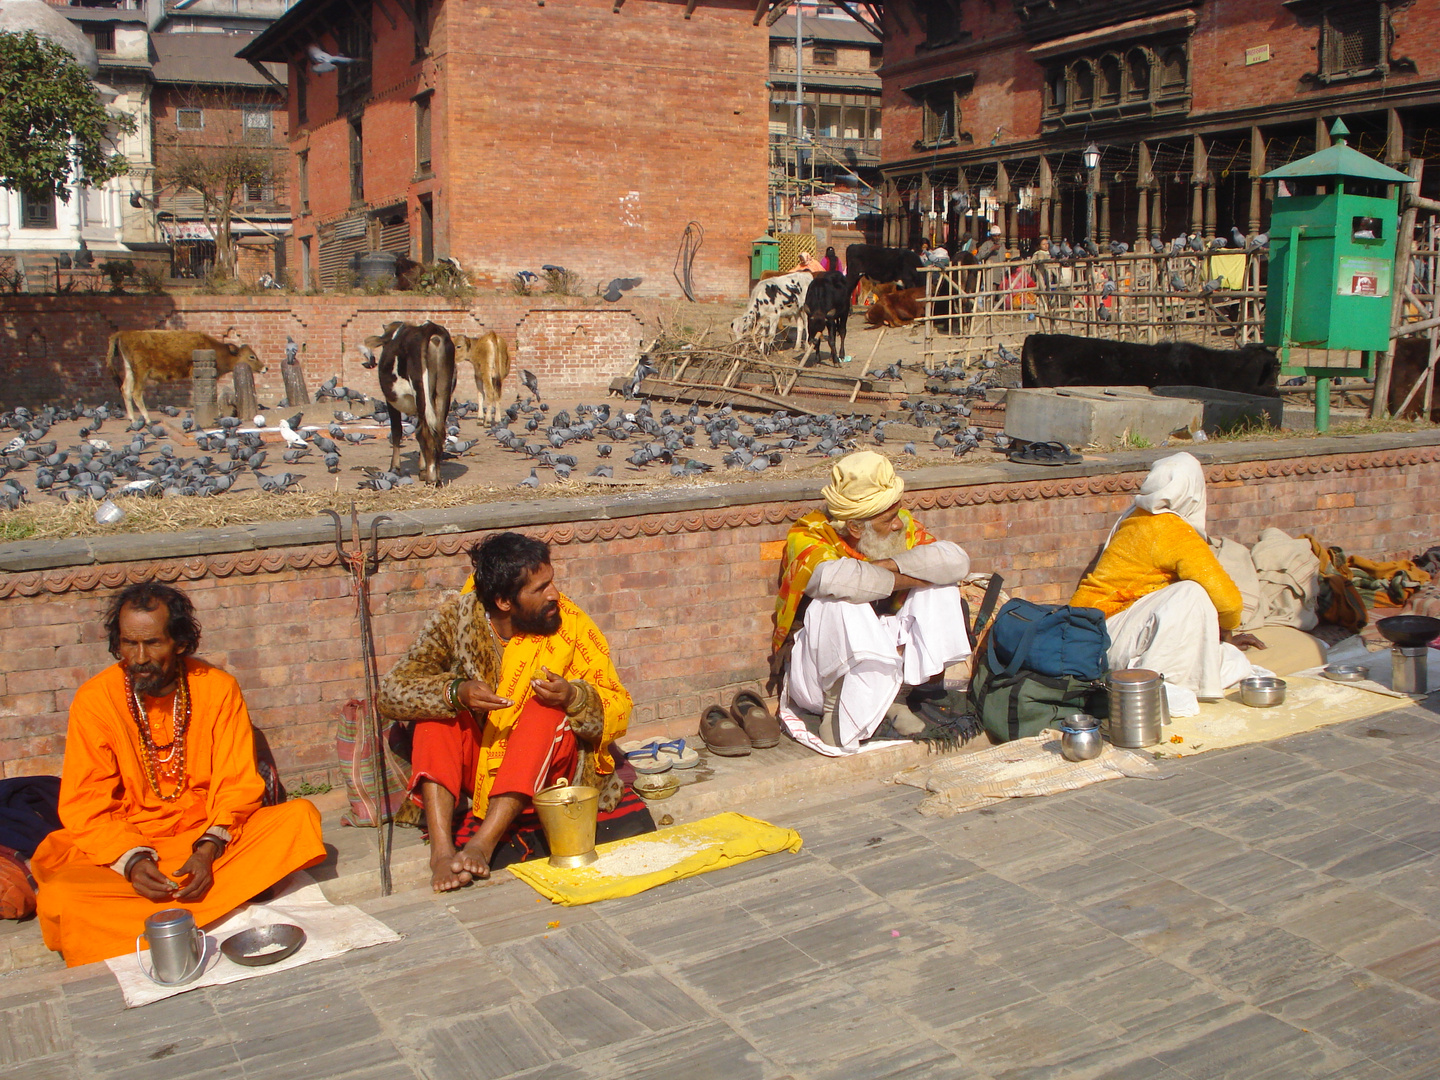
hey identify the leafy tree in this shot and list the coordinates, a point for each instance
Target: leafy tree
(53, 126)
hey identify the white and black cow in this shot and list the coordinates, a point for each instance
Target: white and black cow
(774, 301)
(417, 377)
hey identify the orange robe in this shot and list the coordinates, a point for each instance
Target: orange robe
(89, 912)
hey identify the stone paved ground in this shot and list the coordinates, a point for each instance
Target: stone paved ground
(1268, 913)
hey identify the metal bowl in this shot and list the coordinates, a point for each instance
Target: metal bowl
(1262, 691)
(1347, 672)
(256, 948)
(1409, 629)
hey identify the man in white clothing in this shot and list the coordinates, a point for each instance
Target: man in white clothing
(868, 603)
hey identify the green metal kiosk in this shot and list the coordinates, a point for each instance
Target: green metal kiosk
(1332, 265)
(764, 255)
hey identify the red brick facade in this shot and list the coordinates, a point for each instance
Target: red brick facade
(685, 597)
(579, 133)
(1221, 91)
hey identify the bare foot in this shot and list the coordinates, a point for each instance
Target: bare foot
(471, 862)
(443, 875)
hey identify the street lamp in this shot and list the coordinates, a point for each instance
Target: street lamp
(1091, 157)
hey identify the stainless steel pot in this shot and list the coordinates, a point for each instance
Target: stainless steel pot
(1408, 674)
(1137, 707)
(1262, 691)
(177, 947)
(1080, 738)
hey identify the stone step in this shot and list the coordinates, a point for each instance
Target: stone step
(715, 785)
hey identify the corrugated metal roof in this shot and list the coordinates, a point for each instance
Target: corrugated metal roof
(839, 30)
(207, 59)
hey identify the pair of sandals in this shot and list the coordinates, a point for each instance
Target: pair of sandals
(660, 757)
(1045, 453)
(747, 725)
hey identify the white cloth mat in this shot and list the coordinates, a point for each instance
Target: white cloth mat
(330, 929)
(1353, 651)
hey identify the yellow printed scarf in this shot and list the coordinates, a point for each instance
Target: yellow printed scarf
(577, 651)
(811, 541)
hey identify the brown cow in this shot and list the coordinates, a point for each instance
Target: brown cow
(894, 307)
(490, 356)
(164, 355)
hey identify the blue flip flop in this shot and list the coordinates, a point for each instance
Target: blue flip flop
(648, 759)
(678, 754)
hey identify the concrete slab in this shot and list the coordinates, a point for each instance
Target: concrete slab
(1098, 416)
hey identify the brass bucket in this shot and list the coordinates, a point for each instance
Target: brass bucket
(567, 814)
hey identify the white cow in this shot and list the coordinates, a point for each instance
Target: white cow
(773, 301)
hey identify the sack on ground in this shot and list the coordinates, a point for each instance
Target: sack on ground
(374, 797)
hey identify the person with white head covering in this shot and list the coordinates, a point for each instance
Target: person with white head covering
(868, 602)
(1169, 604)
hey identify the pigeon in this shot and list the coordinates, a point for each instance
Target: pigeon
(619, 285)
(1157, 245)
(355, 438)
(292, 440)
(332, 462)
(1218, 244)
(1211, 285)
(1006, 355)
(1237, 239)
(562, 472)
(1092, 248)
(531, 481)
(1176, 281)
(607, 471)
(1196, 244)
(292, 350)
(1118, 248)
(1258, 243)
(909, 448)
(604, 449)
(324, 62)
(290, 457)
(531, 383)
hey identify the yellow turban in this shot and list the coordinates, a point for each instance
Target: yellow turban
(862, 485)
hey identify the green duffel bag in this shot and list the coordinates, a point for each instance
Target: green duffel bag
(1022, 704)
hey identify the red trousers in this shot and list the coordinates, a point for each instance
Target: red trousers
(541, 750)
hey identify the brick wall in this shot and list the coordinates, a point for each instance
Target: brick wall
(685, 596)
(52, 348)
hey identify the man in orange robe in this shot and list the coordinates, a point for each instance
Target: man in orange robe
(160, 797)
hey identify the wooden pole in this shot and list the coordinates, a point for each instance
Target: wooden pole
(1379, 404)
(244, 392)
(296, 395)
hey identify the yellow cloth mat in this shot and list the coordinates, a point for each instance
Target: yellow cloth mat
(627, 867)
(1230, 269)
(1309, 704)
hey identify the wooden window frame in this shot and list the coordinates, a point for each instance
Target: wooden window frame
(190, 110)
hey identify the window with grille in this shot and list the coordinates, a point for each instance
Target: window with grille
(37, 210)
(941, 111)
(357, 161)
(190, 119)
(1352, 39)
(822, 56)
(353, 83)
(1137, 66)
(1109, 79)
(941, 19)
(102, 37)
(256, 123)
(940, 117)
(422, 134)
(1172, 69)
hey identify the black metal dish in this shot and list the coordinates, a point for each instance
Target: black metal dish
(1409, 629)
(247, 947)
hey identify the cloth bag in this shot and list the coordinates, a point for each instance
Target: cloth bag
(373, 800)
(1040, 663)
(1053, 640)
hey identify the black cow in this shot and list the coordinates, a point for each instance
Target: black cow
(882, 264)
(827, 309)
(417, 377)
(1064, 360)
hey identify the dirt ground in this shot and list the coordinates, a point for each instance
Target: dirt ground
(484, 472)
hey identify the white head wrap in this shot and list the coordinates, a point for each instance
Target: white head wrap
(862, 485)
(1174, 485)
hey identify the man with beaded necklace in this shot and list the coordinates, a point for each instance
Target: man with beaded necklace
(160, 797)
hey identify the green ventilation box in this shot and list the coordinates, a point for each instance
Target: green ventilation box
(764, 255)
(1332, 265)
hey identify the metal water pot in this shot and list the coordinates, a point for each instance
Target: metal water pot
(1408, 674)
(177, 947)
(568, 815)
(1080, 738)
(1138, 708)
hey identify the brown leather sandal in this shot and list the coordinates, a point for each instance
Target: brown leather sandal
(748, 710)
(721, 734)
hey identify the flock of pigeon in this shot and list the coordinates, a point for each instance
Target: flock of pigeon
(749, 440)
(1185, 242)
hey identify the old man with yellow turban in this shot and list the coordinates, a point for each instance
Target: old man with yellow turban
(868, 604)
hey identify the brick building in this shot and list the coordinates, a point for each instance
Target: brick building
(580, 133)
(989, 108)
(214, 109)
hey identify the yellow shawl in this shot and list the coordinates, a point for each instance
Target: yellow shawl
(811, 541)
(577, 651)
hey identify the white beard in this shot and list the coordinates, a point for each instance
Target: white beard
(877, 545)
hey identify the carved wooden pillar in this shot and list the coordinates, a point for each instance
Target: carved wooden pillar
(1200, 166)
(1257, 167)
(1395, 139)
(1047, 193)
(1057, 221)
(927, 203)
(1210, 223)
(1103, 229)
(1145, 180)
